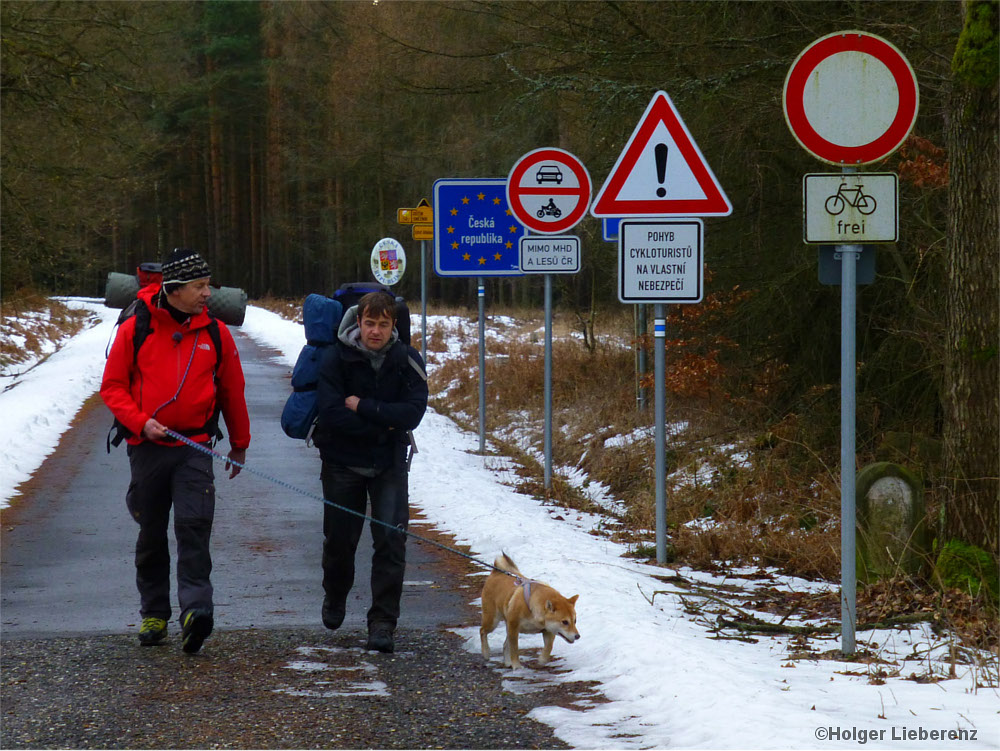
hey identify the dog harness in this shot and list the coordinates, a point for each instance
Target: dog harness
(525, 585)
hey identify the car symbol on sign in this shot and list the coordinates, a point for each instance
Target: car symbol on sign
(549, 173)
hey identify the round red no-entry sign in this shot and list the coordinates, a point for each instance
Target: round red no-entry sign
(548, 190)
(850, 98)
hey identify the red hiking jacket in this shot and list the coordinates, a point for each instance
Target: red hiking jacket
(134, 393)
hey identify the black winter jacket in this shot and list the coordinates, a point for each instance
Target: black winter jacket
(393, 401)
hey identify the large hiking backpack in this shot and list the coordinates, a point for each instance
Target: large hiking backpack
(348, 295)
(143, 327)
(228, 304)
(321, 319)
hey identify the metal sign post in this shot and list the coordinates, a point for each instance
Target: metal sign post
(660, 261)
(536, 180)
(641, 366)
(482, 365)
(848, 411)
(848, 320)
(423, 300)
(548, 381)
(660, 435)
(552, 254)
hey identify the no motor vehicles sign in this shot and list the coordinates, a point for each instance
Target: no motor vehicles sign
(548, 190)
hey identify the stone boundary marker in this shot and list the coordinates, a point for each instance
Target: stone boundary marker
(892, 534)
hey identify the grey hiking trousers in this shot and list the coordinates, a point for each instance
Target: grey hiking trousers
(183, 478)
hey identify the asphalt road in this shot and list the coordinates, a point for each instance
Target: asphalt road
(67, 562)
(73, 675)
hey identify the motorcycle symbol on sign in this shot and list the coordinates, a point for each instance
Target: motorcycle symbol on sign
(845, 197)
(551, 209)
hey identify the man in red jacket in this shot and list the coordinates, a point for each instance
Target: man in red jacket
(175, 378)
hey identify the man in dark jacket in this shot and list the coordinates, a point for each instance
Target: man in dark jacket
(164, 371)
(372, 392)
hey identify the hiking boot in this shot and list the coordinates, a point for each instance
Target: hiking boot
(152, 631)
(380, 640)
(196, 625)
(333, 613)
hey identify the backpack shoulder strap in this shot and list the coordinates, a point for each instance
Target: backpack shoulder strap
(127, 312)
(143, 327)
(143, 319)
(213, 332)
(416, 366)
(409, 433)
(401, 349)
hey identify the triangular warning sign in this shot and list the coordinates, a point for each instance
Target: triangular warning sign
(661, 171)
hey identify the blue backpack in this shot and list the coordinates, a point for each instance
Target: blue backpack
(321, 318)
(350, 294)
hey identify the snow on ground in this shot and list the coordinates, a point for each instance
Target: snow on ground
(38, 403)
(662, 683)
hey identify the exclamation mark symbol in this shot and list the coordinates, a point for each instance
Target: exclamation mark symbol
(660, 154)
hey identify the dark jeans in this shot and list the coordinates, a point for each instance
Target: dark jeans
(182, 477)
(342, 531)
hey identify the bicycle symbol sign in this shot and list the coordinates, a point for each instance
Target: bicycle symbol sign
(854, 197)
(850, 208)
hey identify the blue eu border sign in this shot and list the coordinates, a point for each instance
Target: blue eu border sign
(475, 233)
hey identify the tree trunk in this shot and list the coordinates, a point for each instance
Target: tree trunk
(234, 248)
(216, 213)
(274, 207)
(255, 239)
(972, 364)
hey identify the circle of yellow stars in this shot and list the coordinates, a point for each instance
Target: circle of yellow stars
(513, 228)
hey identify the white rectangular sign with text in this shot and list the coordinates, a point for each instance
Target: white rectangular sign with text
(660, 261)
(552, 254)
(850, 208)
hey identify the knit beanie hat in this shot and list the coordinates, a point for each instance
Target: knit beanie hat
(183, 266)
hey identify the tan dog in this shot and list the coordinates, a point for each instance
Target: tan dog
(528, 607)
